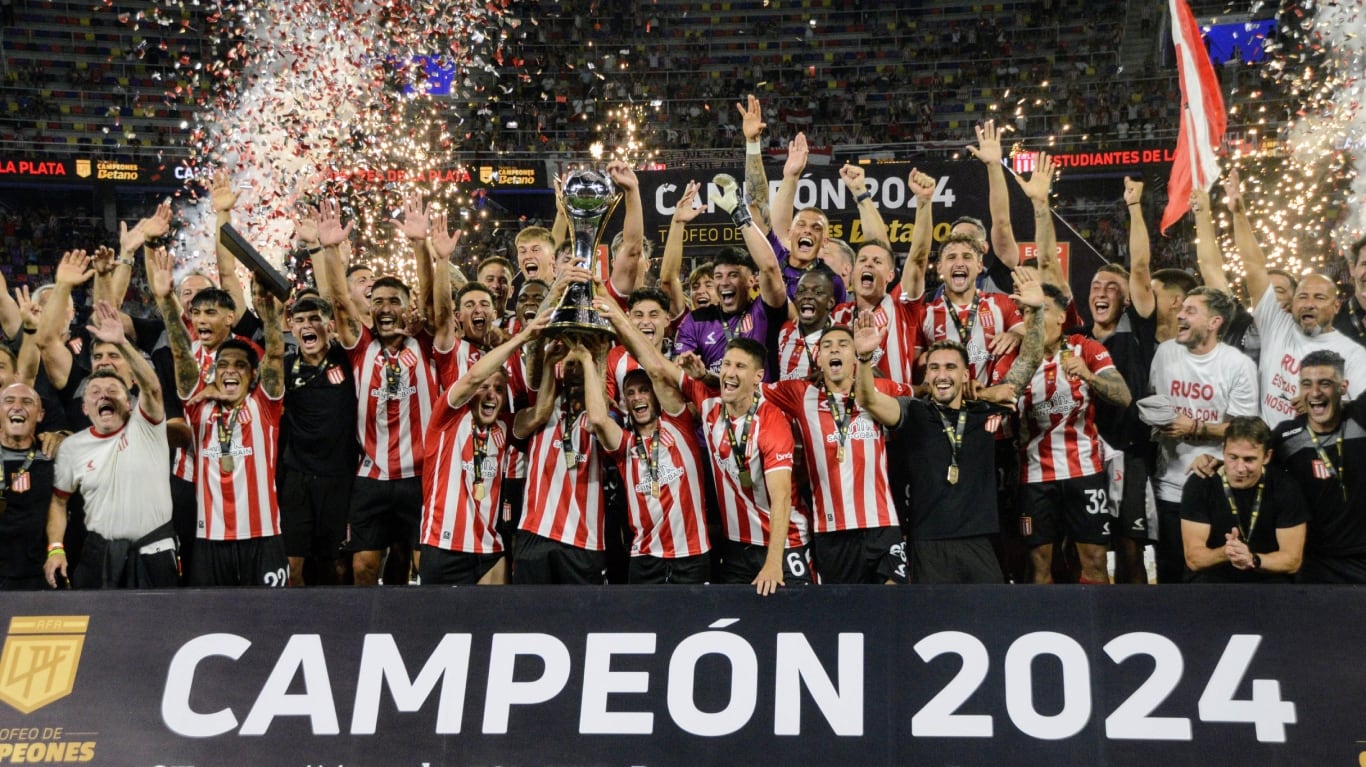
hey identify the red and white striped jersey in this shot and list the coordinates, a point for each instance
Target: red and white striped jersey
(182, 465)
(903, 317)
(619, 363)
(674, 523)
(1058, 437)
(456, 516)
(395, 391)
(996, 313)
(236, 486)
(457, 362)
(745, 510)
(852, 494)
(519, 393)
(797, 353)
(565, 503)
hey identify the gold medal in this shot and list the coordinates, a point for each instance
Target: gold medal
(571, 458)
(953, 474)
(478, 491)
(654, 488)
(839, 454)
(226, 464)
(746, 481)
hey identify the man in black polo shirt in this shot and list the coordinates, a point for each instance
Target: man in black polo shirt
(25, 490)
(947, 447)
(318, 446)
(1325, 451)
(1351, 318)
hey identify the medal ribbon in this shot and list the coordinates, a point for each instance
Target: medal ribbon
(1337, 468)
(1233, 507)
(481, 446)
(964, 329)
(225, 422)
(650, 459)
(843, 416)
(296, 381)
(955, 434)
(738, 448)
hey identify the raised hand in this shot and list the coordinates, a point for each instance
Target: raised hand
(1041, 180)
(306, 224)
(74, 268)
(416, 223)
(330, 230)
(1133, 191)
(868, 335)
(691, 364)
(685, 211)
(106, 324)
(159, 273)
(623, 176)
(988, 148)
(29, 309)
(797, 152)
(922, 185)
(1028, 290)
(443, 240)
(751, 119)
(855, 178)
(1233, 188)
(104, 261)
(221, 194)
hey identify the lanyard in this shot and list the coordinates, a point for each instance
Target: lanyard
(1336, 469)
(28, 462)
(481, 448)
(738, 447)
(728, 326)
(297, 381)
(393, 373)
(1233, 507)
(964, 329)
(650, 458)
(955, 435)
(842, 416)
(567, 421)
(225, 422)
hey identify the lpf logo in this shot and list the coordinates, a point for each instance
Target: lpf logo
(38, 664)
(83, 168)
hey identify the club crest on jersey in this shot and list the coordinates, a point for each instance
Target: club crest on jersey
(408, 358)
(1322, 470)
(19, 483)
(993, 423)
(336, 376)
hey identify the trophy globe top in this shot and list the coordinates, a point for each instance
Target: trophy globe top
(588, 193)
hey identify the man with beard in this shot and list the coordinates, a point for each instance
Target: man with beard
(1351, 318)
(529, 300)
(1207, 382)
(707, 331)
(359, 280)
(119, 468)
(468, 443)
(236, 427)
(396, 377)
(1288, 336)
(1247, 524)
(658, 457)
(945, 444)
(25, 493)
(319, 450)
(648, 312)
(1325, 451)
(856, 533)
(495, 274)
(799, 338)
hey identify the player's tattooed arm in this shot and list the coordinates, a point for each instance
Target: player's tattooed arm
(177, 336)
(1109, 385)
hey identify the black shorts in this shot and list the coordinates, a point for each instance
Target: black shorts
(741, 563)
(1137, 504)
(647, 569)
(313, 513)
(1078, 507)
(384, 512)
(540, 560)
(872, 555)
(956, 560)
(443, 567)
(248, 562)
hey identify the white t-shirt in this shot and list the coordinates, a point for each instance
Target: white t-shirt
(1208, 387)
(1283, 346)
(124, 477)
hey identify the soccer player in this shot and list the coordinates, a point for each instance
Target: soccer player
(799, 338)
(119, 466)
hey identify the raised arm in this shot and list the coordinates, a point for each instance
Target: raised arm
(855, 178)
(107, 325)
(153, 228)
(664, 373)
(74, 269)
(1207, 253)
(223, 198)
(159, 271)
(867, 340)
(780, 212)
(29, 357)
(1254, 260)
(492, 361)
(671, 265)
(752, 126)
(416, 228)
(1045, 238)
(1140, 253)
(988, 150)
(595, 399)
(772, 289)
(440, 247)
(1030, 297)
(922, 185)
(11, 320)
(273, 363)
(530, 420)
(332, 279)
(629, 260)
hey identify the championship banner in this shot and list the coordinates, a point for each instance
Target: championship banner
(681, 676)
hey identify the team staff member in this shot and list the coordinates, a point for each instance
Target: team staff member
(468, 444)
(1325, 451)
(946, 445)
(856, 533)
(119, 466)
(319, 451)
(26, 480)
(1247, 523)
(236, 421)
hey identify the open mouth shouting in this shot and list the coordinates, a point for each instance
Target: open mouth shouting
(1100, 308)
(309, 339)
(232, 383)
(959, 279)
(806, 247)
(203, 331)
(867, 281)
(729, 298)
(18, 417)
(1320, 408)
(489, 405)
(387, 322)
(807, 309)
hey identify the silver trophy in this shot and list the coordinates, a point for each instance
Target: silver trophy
(588, 198)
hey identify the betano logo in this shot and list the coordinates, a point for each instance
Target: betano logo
(38, 664)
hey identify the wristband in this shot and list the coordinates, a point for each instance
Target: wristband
(1133, 205)
(154, 242)
(124, 261)
(55, 546)
(55, 552)
(867, 195)
(864, 359)
(753, 147)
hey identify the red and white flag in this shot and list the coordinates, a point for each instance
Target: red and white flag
(1203, 119)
